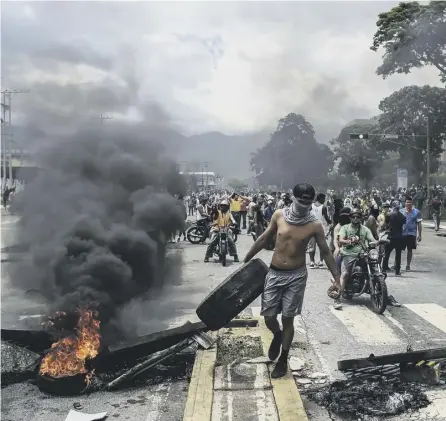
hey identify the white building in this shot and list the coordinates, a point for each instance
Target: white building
(203, 179)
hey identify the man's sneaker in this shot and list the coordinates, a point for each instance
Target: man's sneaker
(398, 273)
(236, 260)
(393, 302)
(408, 268)
(321, 264)
(312, 265)
(206, 260)
(337, 305)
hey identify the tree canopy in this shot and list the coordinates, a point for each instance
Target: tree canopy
(292, 155)
(405, 112)
(413, 36)
(237, 184)
(358, 157)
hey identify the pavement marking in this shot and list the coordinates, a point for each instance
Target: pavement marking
(387, 315)
(288, 401)
(200, 394)
(432, 313)
(366, 326)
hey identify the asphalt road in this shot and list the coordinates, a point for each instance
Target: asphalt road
(325, 336)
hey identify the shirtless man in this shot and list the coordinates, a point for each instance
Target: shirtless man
(286, 280)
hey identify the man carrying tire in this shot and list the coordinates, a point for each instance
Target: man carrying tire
(286, 280)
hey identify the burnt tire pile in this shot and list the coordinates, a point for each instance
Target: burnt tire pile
(378, 398)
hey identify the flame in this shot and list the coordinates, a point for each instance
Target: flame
(67, 356)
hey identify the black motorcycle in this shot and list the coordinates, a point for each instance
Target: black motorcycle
(367, 278)
(201, 231)
(198, 233)
(221, 249)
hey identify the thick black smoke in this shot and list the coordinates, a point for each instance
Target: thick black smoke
(94, 219)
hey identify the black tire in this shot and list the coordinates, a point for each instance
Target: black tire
(233, 295)
(378, 294)
(195, 234)
(223, 254)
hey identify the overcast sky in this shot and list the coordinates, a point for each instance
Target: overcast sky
(214, 66)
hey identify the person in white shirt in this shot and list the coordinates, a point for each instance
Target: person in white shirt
(320, 211)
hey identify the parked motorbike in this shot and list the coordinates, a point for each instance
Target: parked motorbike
(367, 278)
(201, 231)
(198, 233)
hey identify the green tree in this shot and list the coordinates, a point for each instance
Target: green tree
(405, 113)
(413, 36)
(292, 155)
(237, 184)
(358, 157)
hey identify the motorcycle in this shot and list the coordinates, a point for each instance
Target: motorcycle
(198, 233)
(201, 231)
(221, 249)
(368, 278)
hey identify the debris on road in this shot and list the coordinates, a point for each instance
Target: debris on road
(80, 416)
(378, 398)
(296, 364)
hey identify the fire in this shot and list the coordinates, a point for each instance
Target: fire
(67, 357)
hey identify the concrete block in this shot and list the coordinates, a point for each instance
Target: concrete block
(427, 372)
(244, 405)
(241, 376)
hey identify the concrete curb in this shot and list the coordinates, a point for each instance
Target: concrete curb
(288, 401)
(200, 397)
(200, 394)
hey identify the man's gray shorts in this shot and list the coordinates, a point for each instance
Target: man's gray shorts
(347, 263)
(284, 292)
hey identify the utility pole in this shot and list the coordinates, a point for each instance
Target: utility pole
(6, 127)
(206, 170)
(428, 157)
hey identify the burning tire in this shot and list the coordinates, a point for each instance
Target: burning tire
(233, 295)
(63, 386)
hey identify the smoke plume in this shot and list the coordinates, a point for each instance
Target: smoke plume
(94, 219)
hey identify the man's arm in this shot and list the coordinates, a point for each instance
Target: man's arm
(326, 253)
(325, 214)
(266, 236)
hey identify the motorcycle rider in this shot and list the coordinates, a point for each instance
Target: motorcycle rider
(202, 212)
(350, 238)
(223, 219)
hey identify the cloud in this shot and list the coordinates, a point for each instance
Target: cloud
(231, 67)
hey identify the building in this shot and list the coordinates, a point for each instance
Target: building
(203, 179)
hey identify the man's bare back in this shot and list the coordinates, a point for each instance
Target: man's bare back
(291, 243)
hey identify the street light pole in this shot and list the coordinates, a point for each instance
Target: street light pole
(428, 157)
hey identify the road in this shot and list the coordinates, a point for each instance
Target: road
(325, 336)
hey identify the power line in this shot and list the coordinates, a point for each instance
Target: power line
(103, 117)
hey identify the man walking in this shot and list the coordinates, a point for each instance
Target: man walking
(411, 230)
(286, 280)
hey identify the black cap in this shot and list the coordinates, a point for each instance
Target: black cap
(304, 191)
